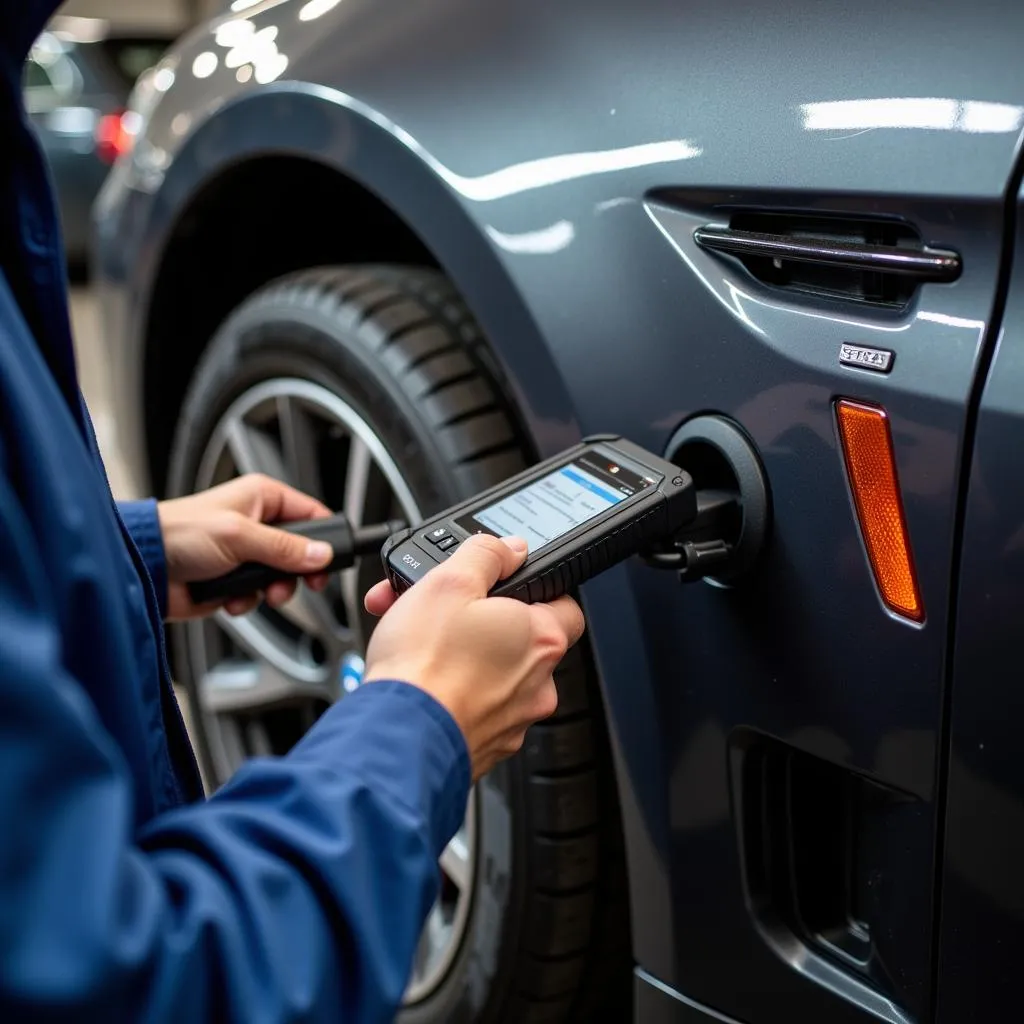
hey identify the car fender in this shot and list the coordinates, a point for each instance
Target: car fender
(313, 122)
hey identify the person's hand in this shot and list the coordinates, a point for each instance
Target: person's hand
(488, 660)
(215, 531)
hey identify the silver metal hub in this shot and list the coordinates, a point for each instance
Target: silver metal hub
(264, 678)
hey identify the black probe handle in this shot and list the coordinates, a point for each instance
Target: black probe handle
(252, 577)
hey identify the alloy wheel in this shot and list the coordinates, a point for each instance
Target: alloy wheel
(264, 678)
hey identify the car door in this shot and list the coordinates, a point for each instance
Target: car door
(982, 882)
(783, 775)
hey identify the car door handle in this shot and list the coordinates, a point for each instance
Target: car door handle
(920, 264)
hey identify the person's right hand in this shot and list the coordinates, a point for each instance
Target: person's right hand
(488, 660)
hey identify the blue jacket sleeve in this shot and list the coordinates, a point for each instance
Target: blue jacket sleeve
(143, 523)
(297, 892)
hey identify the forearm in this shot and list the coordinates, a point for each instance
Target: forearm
(314, 873)
(297, 892)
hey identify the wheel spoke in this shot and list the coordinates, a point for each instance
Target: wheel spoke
(357, 480)
(298, 442)
(258, 642)
(350, 597)
(257, 738)
(311, 612)
(229, 750)
(252, 451)
(421, 957)
(357, 488)
(455, 862)
(432, 941)
(248, 687)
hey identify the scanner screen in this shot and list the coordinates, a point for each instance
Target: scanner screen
(548, 508)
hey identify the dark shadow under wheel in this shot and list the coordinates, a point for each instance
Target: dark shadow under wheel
(371, 388)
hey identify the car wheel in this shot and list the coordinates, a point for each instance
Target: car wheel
(371, 388)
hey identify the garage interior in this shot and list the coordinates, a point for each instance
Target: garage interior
(170, 16)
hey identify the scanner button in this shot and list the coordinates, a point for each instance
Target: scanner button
(445, 543)
(411, 562)
(439, 536)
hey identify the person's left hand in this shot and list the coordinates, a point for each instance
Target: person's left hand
(215, 531)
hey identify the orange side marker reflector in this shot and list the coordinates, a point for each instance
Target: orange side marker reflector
(867, 449)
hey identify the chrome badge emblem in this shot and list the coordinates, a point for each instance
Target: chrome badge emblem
(877, 359)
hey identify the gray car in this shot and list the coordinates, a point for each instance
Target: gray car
(394, 252)
(76, 85)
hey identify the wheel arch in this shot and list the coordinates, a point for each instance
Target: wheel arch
(339, 184)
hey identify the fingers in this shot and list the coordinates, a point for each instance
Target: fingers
(242, 605)
(568, 617)
(276, 594)
(380, 598)
(280, 593)
(545, 700)
(542, 704)
(280, 503)
(250, 541)
(483, 560)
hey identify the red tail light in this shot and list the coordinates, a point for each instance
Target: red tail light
(113, 136)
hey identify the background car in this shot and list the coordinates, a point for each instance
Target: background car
(391, 253)
(76, 85)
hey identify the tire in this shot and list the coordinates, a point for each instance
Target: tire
(546, 939)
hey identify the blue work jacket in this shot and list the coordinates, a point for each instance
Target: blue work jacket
(296, 892)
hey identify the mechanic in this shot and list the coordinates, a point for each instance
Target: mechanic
(299, 889)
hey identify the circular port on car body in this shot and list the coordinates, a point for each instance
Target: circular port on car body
(719, 454)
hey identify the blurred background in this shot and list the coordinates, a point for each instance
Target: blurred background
(77, 84)
(171, 15)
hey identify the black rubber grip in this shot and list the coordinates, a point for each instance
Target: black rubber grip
(253, 577)
(603, 553)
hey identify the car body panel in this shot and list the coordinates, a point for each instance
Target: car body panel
(556, 159)
(319, 124)
(656, 1003)
(983, 886)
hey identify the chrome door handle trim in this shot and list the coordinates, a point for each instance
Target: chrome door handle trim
(921, 264)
